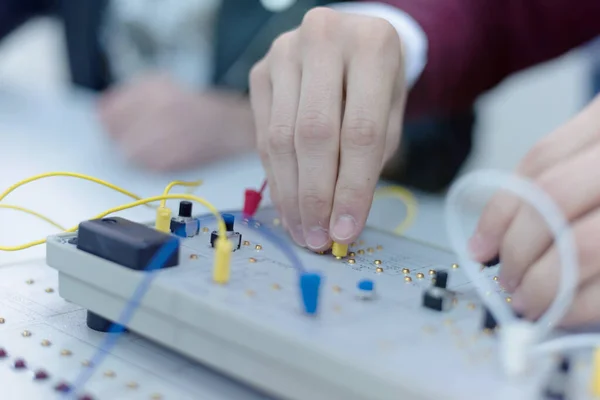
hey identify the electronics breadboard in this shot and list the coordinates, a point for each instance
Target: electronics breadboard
(380, 345)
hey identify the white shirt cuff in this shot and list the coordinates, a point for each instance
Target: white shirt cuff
(412, 35)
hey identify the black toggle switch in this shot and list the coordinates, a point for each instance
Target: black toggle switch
(441, 279)
(185, 209)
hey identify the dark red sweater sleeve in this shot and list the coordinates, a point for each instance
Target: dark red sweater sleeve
(474, 44)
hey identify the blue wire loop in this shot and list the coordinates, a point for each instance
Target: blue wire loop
(118, 328)
(157, 263)
(279, 242)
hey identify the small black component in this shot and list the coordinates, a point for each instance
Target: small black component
(101, 324)
(492, 263)
(441, 279)
(73, 240)
(185, 209)
(235, 237)
(433, 301)
(489, 322)
(558, 386)
(565, 365)
(124, 242)
(437, 299)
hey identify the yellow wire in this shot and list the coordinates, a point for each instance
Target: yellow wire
(190, 185)
(221, 223)
(72, 175)
(34, 213)
(407, 198)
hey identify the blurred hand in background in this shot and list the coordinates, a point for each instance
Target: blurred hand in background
(162, 125)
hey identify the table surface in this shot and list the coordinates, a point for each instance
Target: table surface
(62, 134)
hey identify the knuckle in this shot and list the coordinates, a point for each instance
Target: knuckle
(258, 74)
(533, 163)
(362, 132)
(553, 188)
(315, 127)
(263, 150)
(319, 22)
(386, 31)
(281, 139)
(314, 201)
(378, 36)
(282, 43)
(353, 194)
(318, 17)
(379, 31)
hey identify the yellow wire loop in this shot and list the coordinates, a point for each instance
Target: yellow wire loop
(190, 185)
(72, 175)
(407, 198)
(140, 201)
(221, 223)
(34, 213)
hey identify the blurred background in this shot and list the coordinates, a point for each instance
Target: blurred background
(511, 118)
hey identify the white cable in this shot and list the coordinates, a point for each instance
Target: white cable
(561, 231)
(568, 342)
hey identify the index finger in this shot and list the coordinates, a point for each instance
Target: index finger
(372, 80)
(318, 126)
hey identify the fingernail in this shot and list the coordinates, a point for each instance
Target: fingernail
(317, 237)
(481, 247)
(344, 228)
(298, 236)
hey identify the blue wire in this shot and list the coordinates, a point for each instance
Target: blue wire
(278, 241)
(116, 330)
(287, 249)
(157, 262)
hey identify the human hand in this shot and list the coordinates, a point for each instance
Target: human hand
(564, 165)
(328, 101)
(160, 125)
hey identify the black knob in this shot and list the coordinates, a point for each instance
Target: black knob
(185, 209)
(441, 279)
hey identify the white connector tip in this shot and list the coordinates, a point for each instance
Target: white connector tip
(516, 342)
